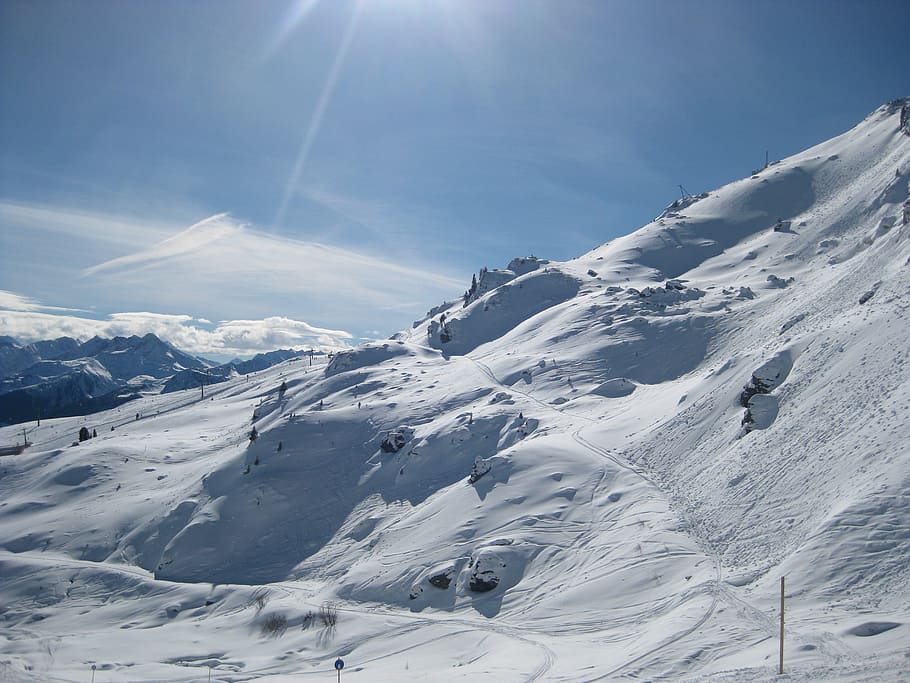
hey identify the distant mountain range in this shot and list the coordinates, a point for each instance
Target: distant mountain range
(65, 377)
(192, 377)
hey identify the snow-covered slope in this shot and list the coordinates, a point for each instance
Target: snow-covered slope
(593, 470)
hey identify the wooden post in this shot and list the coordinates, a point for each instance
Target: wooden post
(780, 670)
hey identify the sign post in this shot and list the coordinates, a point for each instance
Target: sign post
(780, 670)
(339, 665)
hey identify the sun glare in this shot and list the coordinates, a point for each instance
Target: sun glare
(312, 129)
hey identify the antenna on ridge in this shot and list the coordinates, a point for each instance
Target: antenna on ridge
(683, 192)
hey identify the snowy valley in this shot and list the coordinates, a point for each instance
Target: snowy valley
(588, 470)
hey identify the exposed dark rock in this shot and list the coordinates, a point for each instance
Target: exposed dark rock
(442, 580)
(483, 583)
(782, 226)
(767, 377)
(480, 468)
(395, 440)
(761, 411)
(780, 283)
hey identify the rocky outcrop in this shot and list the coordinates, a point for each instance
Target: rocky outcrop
(761, 407)
(395, 440)
(767, 377)
(480, 468)
(442, 579)
(439, 577)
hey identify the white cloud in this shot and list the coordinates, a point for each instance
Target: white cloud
(14, 302)
(229, 337)
(193, 239)
(123, 231)
(221, 258)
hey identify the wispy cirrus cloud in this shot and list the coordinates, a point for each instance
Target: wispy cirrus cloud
(16, 302)
(91, 226)
(225, 258)
(194, 238)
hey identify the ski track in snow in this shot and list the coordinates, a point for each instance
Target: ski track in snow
(715, 587)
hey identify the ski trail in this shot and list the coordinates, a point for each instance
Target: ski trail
(715, 585)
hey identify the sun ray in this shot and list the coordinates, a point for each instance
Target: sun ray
(295, 15)
(322, 103)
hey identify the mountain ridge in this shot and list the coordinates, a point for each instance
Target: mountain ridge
(65, 377)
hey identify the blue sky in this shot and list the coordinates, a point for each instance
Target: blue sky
(242, 175)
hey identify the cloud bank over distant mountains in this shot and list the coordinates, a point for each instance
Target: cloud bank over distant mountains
(27, 321)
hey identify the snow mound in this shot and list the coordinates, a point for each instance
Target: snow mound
(615, 388)
(370, 354)
(495, 313)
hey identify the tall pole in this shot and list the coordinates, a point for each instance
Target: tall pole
(780, 670)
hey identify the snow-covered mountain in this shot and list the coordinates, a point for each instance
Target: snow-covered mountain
(129, 357)
(192, 378)
(64, 377)
(14, 357)
(587, 470)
